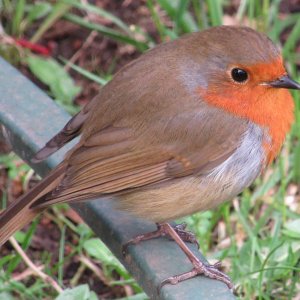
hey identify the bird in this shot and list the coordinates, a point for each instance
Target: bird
(183, 128)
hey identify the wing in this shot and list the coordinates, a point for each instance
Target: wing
(112, 161)
(71, 130)
(142, 130)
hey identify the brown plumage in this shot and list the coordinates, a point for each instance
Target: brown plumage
(156, 137)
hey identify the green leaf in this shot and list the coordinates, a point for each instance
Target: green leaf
(81, 292)
(292, 228)
(58, 10)
(100, 12)
(85, 73)
(20, 236)
(38, 11)
(18, 17)
(215, 12)
(282, 253)
(6, 296)
(111, 33)
(59, 81)
(175, 9)
(97, 249)
(292, 40)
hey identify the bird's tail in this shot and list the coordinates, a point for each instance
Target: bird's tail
(19, 213)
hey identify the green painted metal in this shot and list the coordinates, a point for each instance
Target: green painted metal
(29, 119)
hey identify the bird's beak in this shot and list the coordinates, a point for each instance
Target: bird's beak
(285, 82)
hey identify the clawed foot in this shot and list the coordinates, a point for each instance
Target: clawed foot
(161, 231)
(179, 234)
(185, 235)
(210, 271)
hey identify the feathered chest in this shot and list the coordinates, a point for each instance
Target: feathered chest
(271, 109)
(245, 164)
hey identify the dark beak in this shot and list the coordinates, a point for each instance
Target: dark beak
(285, 82)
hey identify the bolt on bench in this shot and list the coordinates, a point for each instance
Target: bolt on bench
(30, 119)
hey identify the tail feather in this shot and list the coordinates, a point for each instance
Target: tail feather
(20, 213)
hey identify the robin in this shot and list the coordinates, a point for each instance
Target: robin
(183, 128)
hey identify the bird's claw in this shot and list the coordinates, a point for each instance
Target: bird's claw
(210, 271)
(179, 234)
(185, 235)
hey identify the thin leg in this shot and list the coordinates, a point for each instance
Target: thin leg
(211, 271)
(177, 234)
(143, 237)
(186, 236)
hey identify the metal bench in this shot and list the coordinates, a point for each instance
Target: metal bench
(30, 119)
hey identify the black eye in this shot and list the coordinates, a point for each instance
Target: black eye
(239, 75)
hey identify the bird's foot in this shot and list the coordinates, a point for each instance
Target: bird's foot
(185, 235)
(179, 235)
(161, 231)
(210, 271)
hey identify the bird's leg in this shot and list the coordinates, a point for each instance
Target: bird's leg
(144, 237)
(178, 234)
(210, 271)
(186, 236)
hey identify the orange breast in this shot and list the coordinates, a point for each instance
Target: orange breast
(268, 107)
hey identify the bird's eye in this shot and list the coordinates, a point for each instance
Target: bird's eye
(239, 75)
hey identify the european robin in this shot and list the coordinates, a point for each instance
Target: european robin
(183, 128)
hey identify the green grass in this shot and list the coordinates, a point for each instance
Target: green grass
(258, 235)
